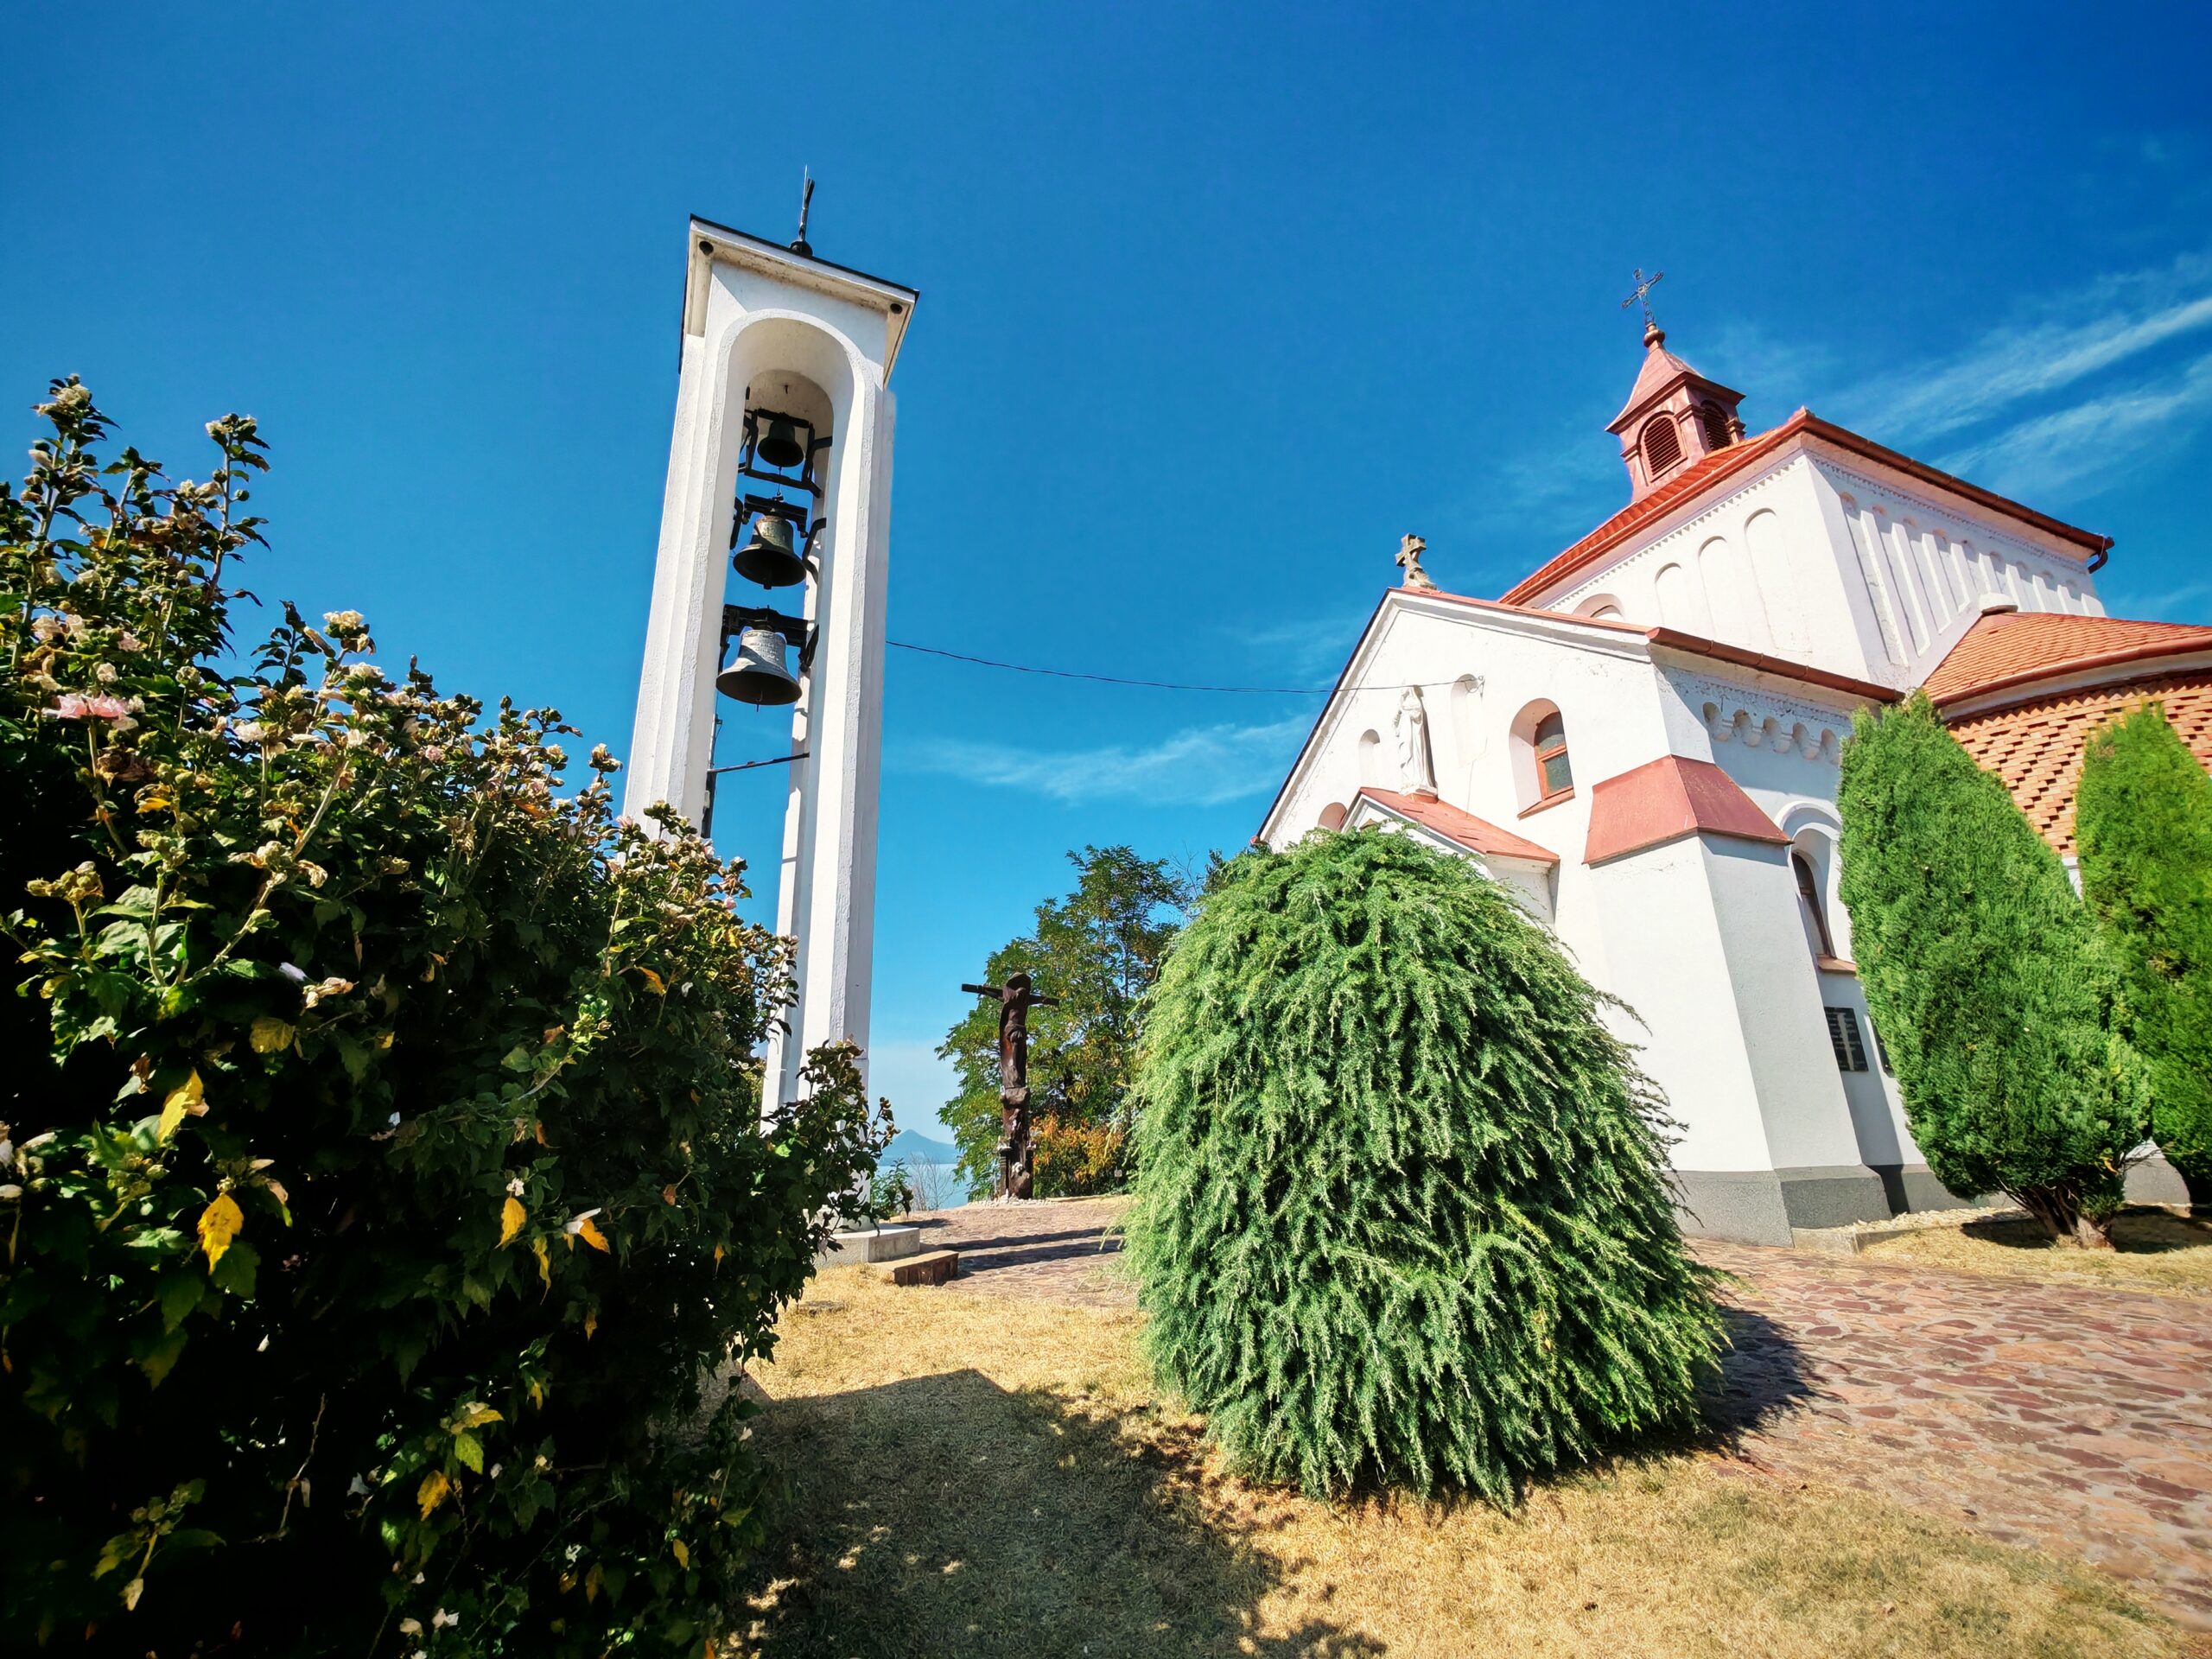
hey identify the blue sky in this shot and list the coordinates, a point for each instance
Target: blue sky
(1214, 308)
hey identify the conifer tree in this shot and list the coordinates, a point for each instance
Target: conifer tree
(1984, 971)
(1401, 1209)
(2142, 820)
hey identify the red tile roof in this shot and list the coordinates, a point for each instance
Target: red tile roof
(1666, 799)
(1476, 834)
(1723, 463)
(2036, 747)
(2018, 648)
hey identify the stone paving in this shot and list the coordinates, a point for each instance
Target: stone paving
(1058, 1249)
(2074, 1420)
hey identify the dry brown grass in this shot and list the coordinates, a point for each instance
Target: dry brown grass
(2153, 1250)
(975, 1475)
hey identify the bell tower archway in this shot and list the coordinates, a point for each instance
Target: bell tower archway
(780, 467)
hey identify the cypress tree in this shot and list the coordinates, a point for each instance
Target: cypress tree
(2142, 820)
(1402, 1214)
(1986, 976)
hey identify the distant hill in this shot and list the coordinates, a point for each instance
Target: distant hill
(917, 1148)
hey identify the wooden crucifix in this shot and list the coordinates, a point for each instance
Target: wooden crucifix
(1017, 1155)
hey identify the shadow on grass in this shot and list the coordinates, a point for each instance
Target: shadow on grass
(945, 1515)
(2134, 1232)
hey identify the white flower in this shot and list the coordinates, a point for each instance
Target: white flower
(298, 976)
(514, 1187)
(104, 673)
(410, 1627)
(494, 1470)
(440, 1619)
(247, 731)
(575, 1224)
(10, 1192)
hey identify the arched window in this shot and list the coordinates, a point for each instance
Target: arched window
(1554, 775)
(1662, 445)
(1812, 908)
(1713, 424)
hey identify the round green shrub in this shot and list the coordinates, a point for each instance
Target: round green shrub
(1402, 1214)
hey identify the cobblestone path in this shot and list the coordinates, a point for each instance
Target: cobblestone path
(2074, 1420)
(1060, 1249)
(2079, 1420)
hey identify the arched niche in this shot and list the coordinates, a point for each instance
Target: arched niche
(1601, 608)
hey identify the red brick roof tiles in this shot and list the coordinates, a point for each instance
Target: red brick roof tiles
(1667, 798)
(2019, 647)
(2037, 747)
(1476, 834)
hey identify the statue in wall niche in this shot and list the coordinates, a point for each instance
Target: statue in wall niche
(1416, 765)
(1410, 548)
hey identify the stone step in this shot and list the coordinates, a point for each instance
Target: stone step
(930, 1267)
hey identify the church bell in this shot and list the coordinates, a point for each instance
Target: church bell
(756, 673)
(770, 557)
(780, 446)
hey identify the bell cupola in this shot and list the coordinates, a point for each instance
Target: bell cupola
(1674, 416)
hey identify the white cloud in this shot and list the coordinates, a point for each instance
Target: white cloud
(1206, 766)
(2063, 340)
(2090, 439)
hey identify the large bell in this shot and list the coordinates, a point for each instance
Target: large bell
(770, 557)
(756, 673)
(780, 446)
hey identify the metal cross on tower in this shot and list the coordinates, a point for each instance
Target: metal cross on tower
(1643, 295)
(1017, 1156)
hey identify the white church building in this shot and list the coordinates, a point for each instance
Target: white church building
(1641, 738)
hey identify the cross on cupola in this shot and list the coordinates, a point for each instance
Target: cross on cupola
(1674, 416)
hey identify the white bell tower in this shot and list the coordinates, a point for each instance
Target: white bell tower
(783, 352)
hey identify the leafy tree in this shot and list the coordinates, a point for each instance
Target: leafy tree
(1401, 1208)
(2142, 820)
(1097, 950)
(385, 1181)
(1984, 974)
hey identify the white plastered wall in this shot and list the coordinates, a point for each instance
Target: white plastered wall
(753, 328)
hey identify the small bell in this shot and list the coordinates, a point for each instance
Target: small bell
(756, 673)
(770, 557)
(780, 447)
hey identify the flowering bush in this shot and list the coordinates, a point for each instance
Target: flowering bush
(1076, 1159)
(383, 1181)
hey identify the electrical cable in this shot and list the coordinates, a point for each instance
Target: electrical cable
(1115, 679)
(1158, 685)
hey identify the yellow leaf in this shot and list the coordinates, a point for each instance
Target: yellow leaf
(270, 1035)
(475, 1416)
(131, 1592)
(512, 1217)
(537, 1395)
(653, 980)
(544, 1260)
(591, 1582)
(432, 1492)
(682, 1553)
(587, 1231)
(186, 1096)
(220, 1223)
(718, 1256)
(591, 1324)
